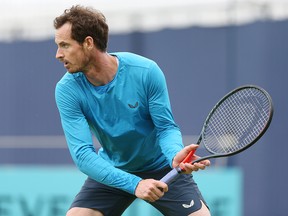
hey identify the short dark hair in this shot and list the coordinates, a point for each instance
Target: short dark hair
(85, 22)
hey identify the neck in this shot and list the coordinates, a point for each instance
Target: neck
(103, 70)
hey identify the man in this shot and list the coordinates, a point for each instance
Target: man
(122, 99)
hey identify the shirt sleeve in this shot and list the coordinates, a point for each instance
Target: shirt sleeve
(168, 132)
(80, 143)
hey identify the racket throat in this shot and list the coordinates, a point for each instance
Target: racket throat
(188, 158)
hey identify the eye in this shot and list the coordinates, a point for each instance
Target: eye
(65, 46)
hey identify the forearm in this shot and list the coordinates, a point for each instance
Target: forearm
(100, 170)
(170, 141)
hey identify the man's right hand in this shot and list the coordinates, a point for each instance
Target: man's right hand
(150, 189)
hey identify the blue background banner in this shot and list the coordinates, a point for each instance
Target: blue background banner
(49, 191)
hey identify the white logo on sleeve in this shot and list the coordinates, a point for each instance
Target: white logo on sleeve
(190, 205)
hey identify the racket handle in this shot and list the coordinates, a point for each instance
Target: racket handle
(172, 175)
(188, 158)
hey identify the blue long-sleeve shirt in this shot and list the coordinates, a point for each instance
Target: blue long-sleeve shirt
(130, 116)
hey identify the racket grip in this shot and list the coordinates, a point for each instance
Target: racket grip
(188, 158)
(172, 175)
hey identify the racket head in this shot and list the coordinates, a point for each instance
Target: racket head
(237, 121)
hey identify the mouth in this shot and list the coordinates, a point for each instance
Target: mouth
(66, 63)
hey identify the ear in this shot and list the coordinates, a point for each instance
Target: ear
(88, 43)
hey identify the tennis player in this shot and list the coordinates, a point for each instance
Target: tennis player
(122, 99)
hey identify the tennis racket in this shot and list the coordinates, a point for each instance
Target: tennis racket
(234, 124)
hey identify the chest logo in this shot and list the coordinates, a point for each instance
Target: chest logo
(133, 106)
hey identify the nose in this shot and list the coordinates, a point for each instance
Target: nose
(59, 54)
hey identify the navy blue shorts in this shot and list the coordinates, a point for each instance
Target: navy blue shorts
(182, 198)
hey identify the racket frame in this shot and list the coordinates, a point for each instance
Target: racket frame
(174, 173)
(217, 155)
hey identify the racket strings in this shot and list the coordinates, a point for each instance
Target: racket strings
(237, 121)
